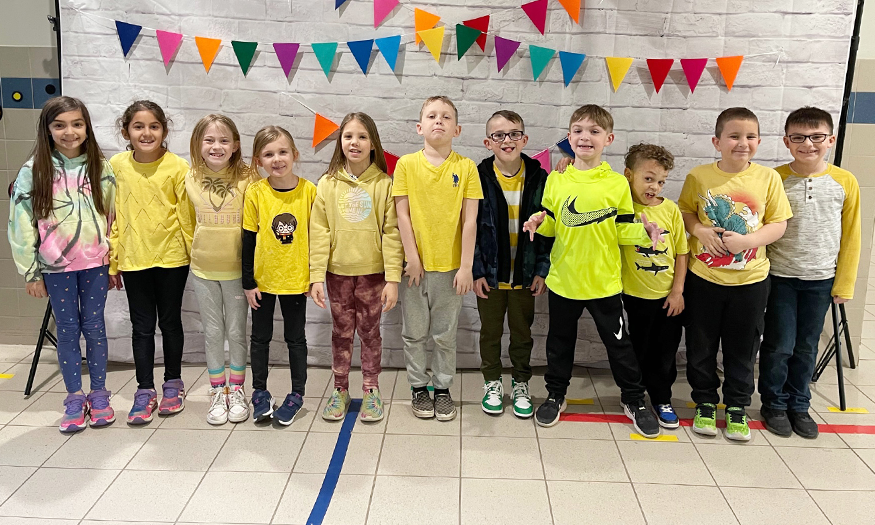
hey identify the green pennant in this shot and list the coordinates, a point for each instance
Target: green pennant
(465, 38)
(540, 58)
(325, 54)
(244, 51)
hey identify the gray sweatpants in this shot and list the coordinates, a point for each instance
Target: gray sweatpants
(430, 310)
(223, 308)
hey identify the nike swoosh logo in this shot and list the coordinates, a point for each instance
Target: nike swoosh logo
(619, 334)
(572, 218)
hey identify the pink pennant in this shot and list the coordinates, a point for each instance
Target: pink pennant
(382, 8)
(545, 160)
(504, 49)
(286, 53)
(537, 12)
(693, 68)
(169, 43)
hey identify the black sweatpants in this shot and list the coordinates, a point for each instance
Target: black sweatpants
(155, 295)
(730, 317)
(562, 338)
(655, 337)
(294, 308)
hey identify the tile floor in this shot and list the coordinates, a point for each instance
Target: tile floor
(475, 469)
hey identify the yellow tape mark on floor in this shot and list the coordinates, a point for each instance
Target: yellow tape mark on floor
(580, 401)
(7, 376)
(849, 410)
(720, 406)
(663, 437)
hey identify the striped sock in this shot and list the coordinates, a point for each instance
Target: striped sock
(217, 377)
(238, 375)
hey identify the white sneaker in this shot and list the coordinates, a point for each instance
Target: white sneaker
(218, 413)
(238, 408)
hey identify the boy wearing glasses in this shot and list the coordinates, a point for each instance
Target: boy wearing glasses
(813, 264)
(509, 269)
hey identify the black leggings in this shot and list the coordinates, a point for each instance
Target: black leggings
(294, 308)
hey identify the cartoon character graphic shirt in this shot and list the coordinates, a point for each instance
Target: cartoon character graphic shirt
(282, 248)
(590, 214)
(648, 271)
(740, 202)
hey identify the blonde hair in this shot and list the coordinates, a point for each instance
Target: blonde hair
(439, 98)
(265, 136)
(597, 114)
(236, 166)
(338, 160)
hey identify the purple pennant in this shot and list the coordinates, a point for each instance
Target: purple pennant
(286, 53)
(504, 49)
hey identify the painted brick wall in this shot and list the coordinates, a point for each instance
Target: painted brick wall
(813, 35)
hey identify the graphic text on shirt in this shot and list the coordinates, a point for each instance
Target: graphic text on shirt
(572, 218)
(354, 204)
(284, 226)
(724, 212)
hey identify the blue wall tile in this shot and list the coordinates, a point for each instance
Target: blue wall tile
(43, 90)
(17, 93)
(862, 110)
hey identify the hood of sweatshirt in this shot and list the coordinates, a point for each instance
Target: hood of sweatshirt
(369, 174)
(601, 171)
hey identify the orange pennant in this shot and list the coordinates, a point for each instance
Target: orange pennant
(729, 69)
(424, 20)
(208, 48)
(322, 128)
(573, 8)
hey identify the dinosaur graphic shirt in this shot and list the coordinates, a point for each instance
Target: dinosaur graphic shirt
(648, 271)
(590, 214)
(739, 202)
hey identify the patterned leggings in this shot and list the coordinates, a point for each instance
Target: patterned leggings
(355, 306)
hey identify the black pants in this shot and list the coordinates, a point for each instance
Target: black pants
(155, 295)
(730, 317)
(294, 308)
(562, 338)
(655, 338)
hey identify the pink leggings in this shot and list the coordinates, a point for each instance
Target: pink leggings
(355, 305)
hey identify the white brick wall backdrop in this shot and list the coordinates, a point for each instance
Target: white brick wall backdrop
(813, 35)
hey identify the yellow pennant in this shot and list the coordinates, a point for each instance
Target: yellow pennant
(434, 41)
(618, 67)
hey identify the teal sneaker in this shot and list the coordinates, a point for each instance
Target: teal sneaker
(372, 405)
(522, 400)
(737, 428)
(493, 392)
(335, 408)
(705, 422)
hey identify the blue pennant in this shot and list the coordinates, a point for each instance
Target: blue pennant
(127, 34)
(565, 146)
(389, 47)
(338, 3)
(361, 50)
(570, 64)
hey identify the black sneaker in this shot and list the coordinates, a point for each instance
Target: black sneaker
(547, 414)
(444, 408)
(776, 421)
(803, 425)
(642, 418)
(422, 404)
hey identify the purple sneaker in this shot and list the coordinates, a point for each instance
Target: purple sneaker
(98, 406)
(75, 409)
(145, 402)
(173, 400)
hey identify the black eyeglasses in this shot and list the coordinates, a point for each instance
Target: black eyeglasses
(513, 135)
(817, 138)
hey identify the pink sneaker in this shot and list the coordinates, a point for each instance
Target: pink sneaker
(75, 409)
(99, 409)
(173, 400)
(145, 402)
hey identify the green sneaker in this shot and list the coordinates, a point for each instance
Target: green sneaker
(705, 422)
(372, 405)
(337, 404)
(522, 401)
(736, 424)
(493, 392)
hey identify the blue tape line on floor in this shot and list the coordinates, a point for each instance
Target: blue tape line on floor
(334, 468)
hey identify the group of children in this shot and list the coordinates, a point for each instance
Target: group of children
(441, 227)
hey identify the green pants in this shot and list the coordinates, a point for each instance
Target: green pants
(520, 308)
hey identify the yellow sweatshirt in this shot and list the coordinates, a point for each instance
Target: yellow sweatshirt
(354, 228)
(152, 226)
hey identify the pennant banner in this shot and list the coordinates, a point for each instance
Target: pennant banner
(617, 68)
(659, 68)
(168, 43)
(465, 38)
(537, 12)
(127, 34)
(573, 9)
(338, 3)
(322, 128)
(361, 51)
(481, 24)
(382, 8)
(504, 49)
(208, 49)
(571, 62)
(545, 160)
(693, 68)
(244, 51)
(729, 69)
(391, 162)
(388, 46)
(286, 53)
(325, 54)
(540, 58)
(434, 41)
(423, 20)
(565, 146)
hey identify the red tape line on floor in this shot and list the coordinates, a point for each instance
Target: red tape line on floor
(758, 425)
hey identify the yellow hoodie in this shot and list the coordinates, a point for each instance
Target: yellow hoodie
(354, 228)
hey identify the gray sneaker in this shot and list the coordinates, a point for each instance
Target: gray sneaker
(444, 408)
(422, 404)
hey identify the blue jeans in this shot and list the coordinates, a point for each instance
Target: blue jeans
(78, 299)
(794, 321)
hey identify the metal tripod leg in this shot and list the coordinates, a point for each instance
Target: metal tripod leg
(43, 335)
(847, 332)
(838, 352)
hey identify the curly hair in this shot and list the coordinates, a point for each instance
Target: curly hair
(640, 152)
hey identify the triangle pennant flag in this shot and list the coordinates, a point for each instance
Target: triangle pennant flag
(565, 146)
(286, 53)
(423, 20)
(482, 24)
(325, 54)
(729, 69)
(391, 162)
(208, 49)
(465, 38)
(434, 41)
(545, 160)
(168, 43)
(389, 47)
(659, 68)
(127, 34)
(540, 58)
(361, 50)
(338, 3)
(504, 49)
(573, 8)
(617, 68)
(571, 62)
(244, 51)
(382, 8)
(693, 68)
(537, 12)
(322, 128)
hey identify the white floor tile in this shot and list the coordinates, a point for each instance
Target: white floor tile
(210, 504)
(402, 421)
(179, 450)
(475, 422)
(504, 501)
(104, 448)
(29, 446)
(828, 469)
(575, 502)
(259, 452)
(773, 506)
(748, 467)
(667, 504)
(507, 458)
(658, 462)
(11, 478)
(47, 374)
(410, 455)
(150, 496)
(846, 507)
(349, 504)
(58, 493)
(362, 454)
(437, 501)
(574, 460)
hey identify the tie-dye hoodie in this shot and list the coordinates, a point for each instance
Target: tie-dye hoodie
(73, 237)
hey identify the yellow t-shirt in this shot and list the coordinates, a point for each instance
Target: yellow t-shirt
(741, 202)
(512, 188)
(282, 248)
(648, 272)
(436, 195)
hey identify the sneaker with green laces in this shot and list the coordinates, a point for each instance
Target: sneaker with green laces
(372, 405)
(493, 392)
(522, 400)
(737, 428)
(335, 408)
(705, 422)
